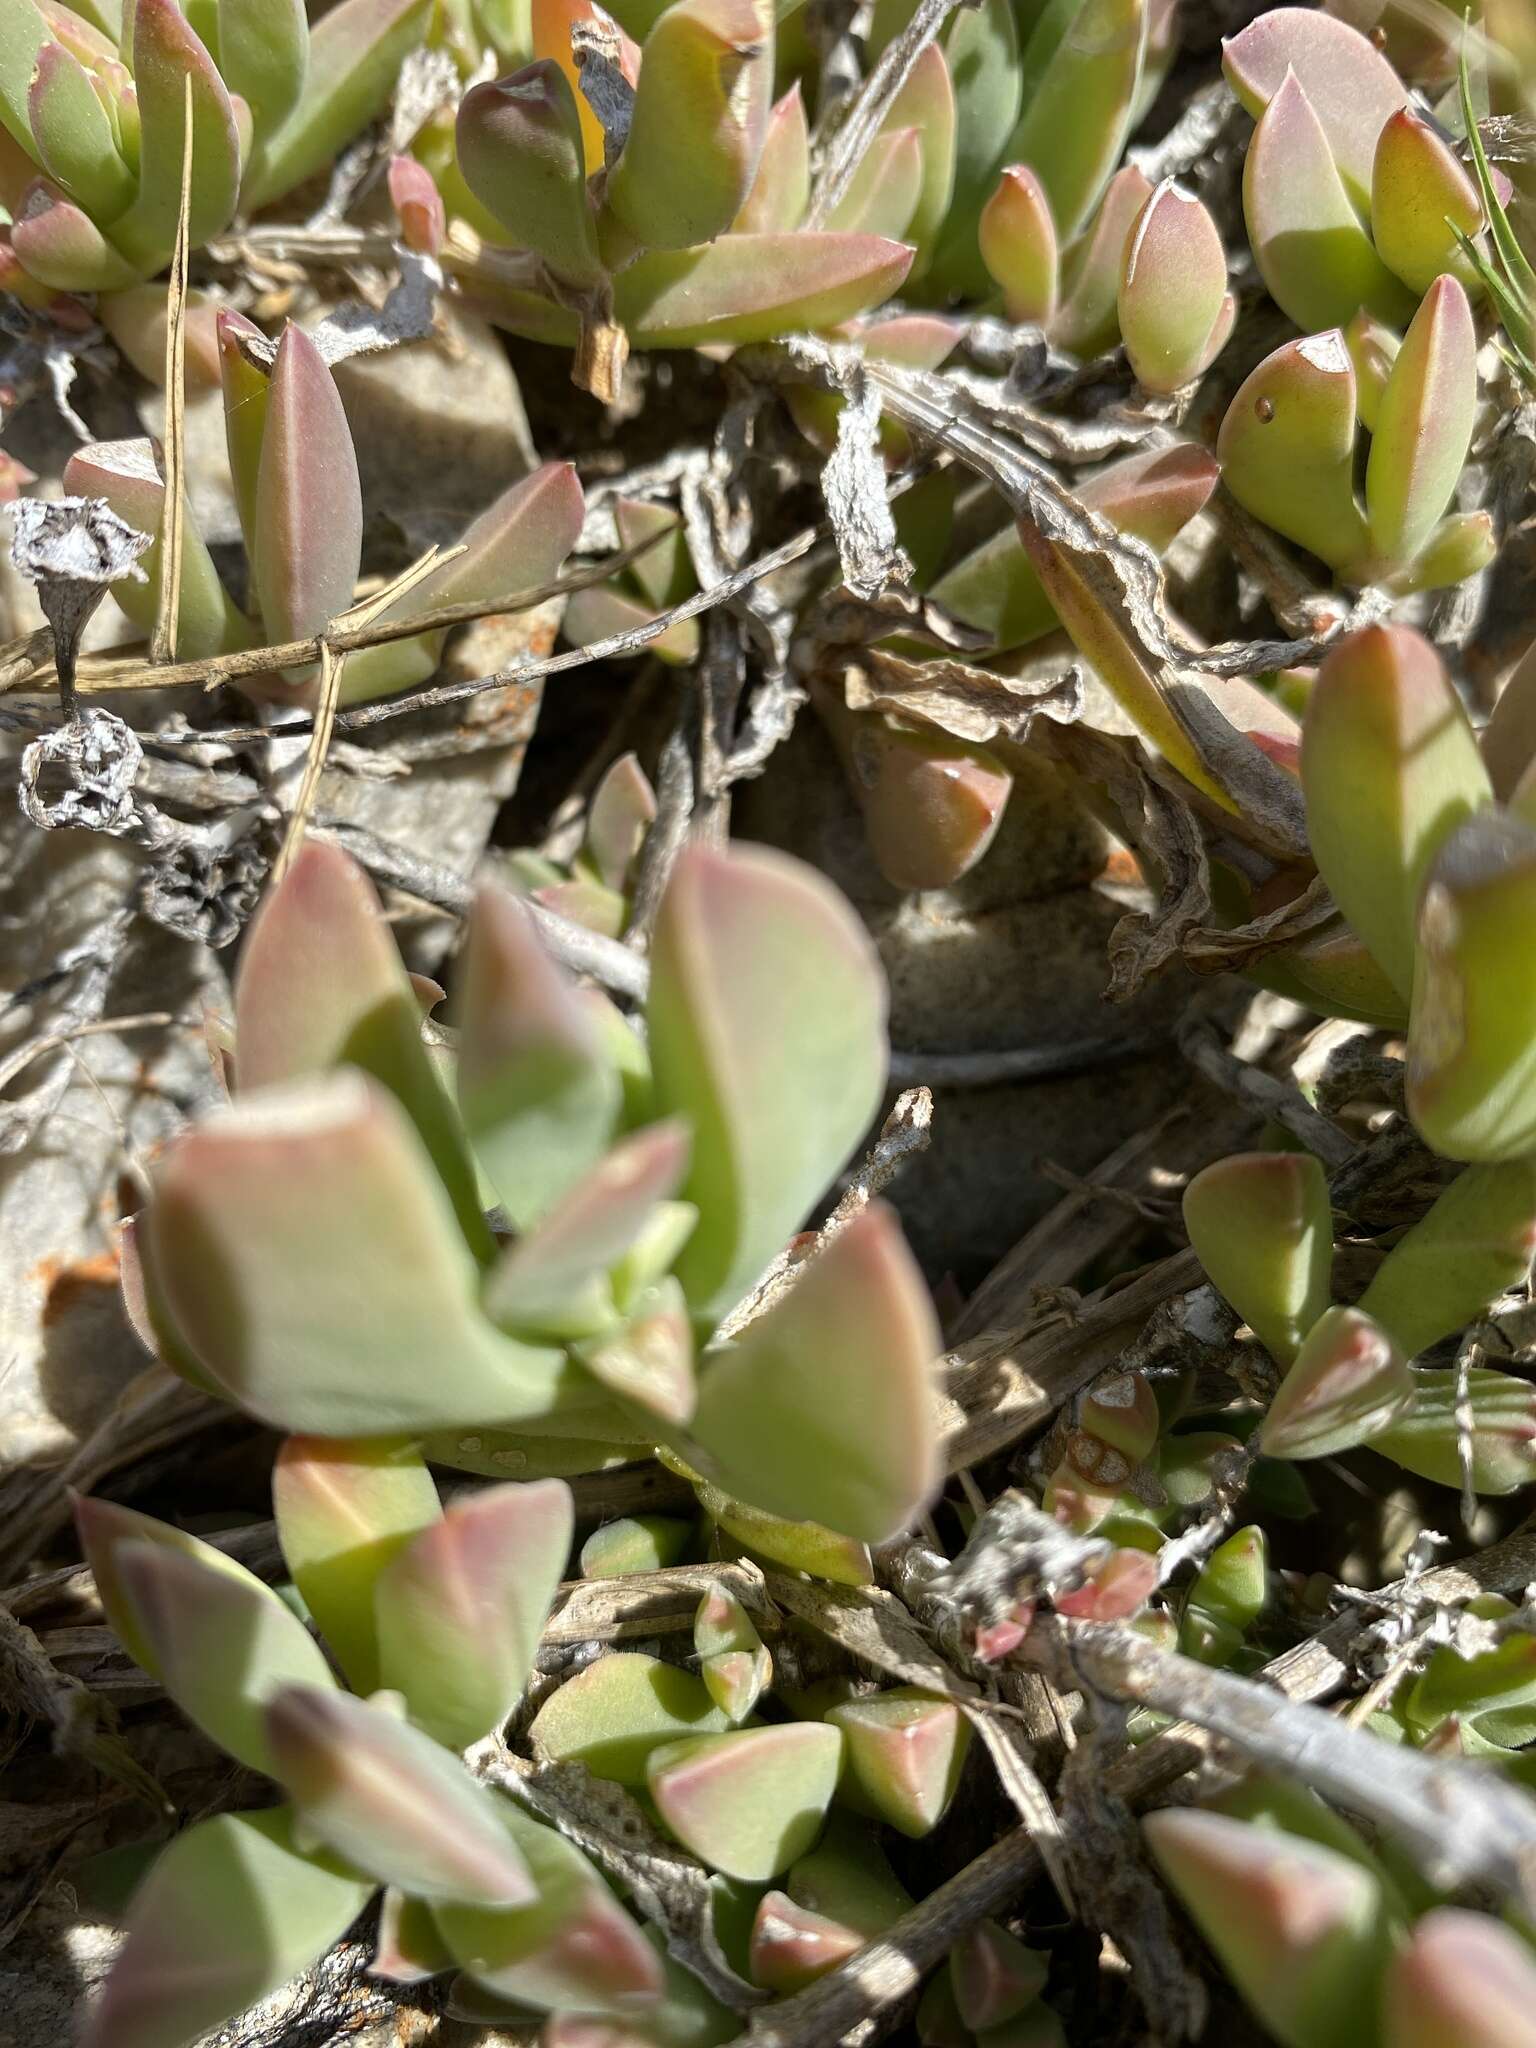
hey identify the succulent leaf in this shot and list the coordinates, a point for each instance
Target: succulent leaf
(166, 55)
(903, 1752)
(1349, 1382)
(308, 510)
(1173, 289)
(1474, 1245)
(751, 1802)
(520, 149)
(1462, 1977)
(995, 1977)
(733, 1662)
(264, 56)
(612, 1715)
(1087, 318)
(1420, 197)
(1424, 424)
(1017, 237)
(1078, 104)
(1262, 1228)
(781, 187)
(1501, 1440)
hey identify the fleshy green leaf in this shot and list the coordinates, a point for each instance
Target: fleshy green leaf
(103, 1527)
(520, 150)
(751, 1802)
(623, 806)
(1173, 290)
(309, 508)
(1087, 319)
(1420, 196)
(822, 1408)
(392, 1801)
(903, 1752)
(777, 201)
(1423, 424)
(612, 1715)
(74, 136)
(733, 1662)
(635, 1543)
(766, 1021)
(264, 56)
(1349, 1382)
(246, 390)
(61, 246)
(1077, 108)
(1262, 1228)
(1473, 1246)
(345, 1508)
(1462, 1977)
(459, 1610)
(1501, 1439)
(166, 53)
(995, 1976)
(1018, 245)
(232, 1910)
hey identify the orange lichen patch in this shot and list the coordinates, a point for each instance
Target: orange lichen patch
(71, 1284)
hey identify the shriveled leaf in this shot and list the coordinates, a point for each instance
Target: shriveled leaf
(392, 1801)
(751, 1802)
(344, 1508)
(459, 1610)
(231, 1911)
(766, 1020)
(1262, 1228)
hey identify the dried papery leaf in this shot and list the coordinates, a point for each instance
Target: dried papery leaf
(1151, 496)
(392, 1801)
(311, 1261)
(1086, 319)
(344, 1508)
(1078, 105)
(1317, 260)
(246, 388)
(308, 514)
(166, 54)
(766, 1020)
(612, 1715)
(1474, 1245)
(1299, 1929)
(60, 246)
(73, 136)
(699, 122)
(1262, 1228)
(777, 201)
(554, 1279)
(1017, 237)
(223, 1644)
(1462, 1977)
(1420, 197)
(751, 1802)
(995, 1977)
(459, 1610)
(1173, 289)
(801, 1546)
(418, 205)
(231, 1910)
(1348, 1383)
(1391, 768)
(573, 1946)
(130, 476)
(1423, 424)
(903, 1752)
(1352, 87)
(821, 1409)
(355, 53)
(931, 805)
(622, 811)
(1489, 1414)
(520, 150)
(538, 1090)
(322, 985)
(733, 1661)
(635, 1543)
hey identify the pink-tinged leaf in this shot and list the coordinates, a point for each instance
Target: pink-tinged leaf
(344, 1509)
(1373, 348)
(312, 1263)
(553, 1281)
(1317, 260)
(1462, 545)
(1086, 321)
(392, 1801)
(61, 247)
(1489, 1415)
(649, 1361)
(792, 1945)
(1114, 1590)
(1287, 449)
(1472, 1030)
(147, 1315)
(777, 201)
(753, 287)
(460, 1609)
(538, 1090)
(635, 1543)
(822, 1408)
(263, 50)
(1420, 196)
(733, 1661)
(622, 811)
(408, 1948)
(223, 1644)
(1349, 1382)
(73, 135)
(1017, 237)
(231, 1911)
(883, 192)
(1423, 424)
(355, 54)
(1390, 767)
(520, 150)
(1351, 85)
(322, 985)
(1262, 1228)
(1463, 1978)
(994, 1976)
(749, 1803)
(24, 30)
(612, 1715)
(309, 505)
(931, 805)
(767, 1031)
(1172, 289)
(699, 121)
(246, 391)
(136, 318)
(1152, 496)
(1474, 1245)
(418, 205)
(166, 54)
(604, 609)
(130, 476)
(903, 1752)
(1076, 118)
(104, 1528)
(574, 1946)
(926, 102)
(1300, 1930)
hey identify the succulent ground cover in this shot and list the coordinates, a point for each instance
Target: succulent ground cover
(768, 1023)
